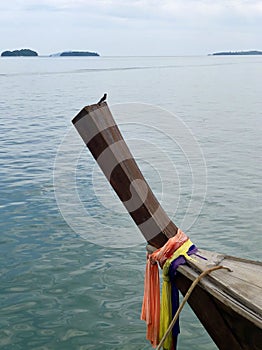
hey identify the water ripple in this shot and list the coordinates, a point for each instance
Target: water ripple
(61, 292)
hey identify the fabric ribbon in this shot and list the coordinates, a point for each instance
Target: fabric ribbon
(166, 303)
(151, 302)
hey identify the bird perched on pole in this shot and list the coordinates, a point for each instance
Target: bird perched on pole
(102, 99)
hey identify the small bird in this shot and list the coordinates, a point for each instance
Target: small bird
(102, 99)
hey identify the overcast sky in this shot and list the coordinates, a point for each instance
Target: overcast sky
(131, 27)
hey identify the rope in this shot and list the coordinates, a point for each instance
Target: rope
(190, 290)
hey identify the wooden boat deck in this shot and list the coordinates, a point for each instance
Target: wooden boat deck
(241, 287)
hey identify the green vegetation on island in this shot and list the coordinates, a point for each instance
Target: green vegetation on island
(237, 53)
(18, 53)
(30, 53)
(78, 53)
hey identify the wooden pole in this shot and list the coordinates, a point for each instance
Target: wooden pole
(102, 136)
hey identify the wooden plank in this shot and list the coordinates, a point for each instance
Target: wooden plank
(245, 292)
(215, 291)
(245, 271)
(243, 282)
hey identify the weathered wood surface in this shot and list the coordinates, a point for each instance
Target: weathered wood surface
(241, 288)
(228, 326)
(209, 314)
(102, 136)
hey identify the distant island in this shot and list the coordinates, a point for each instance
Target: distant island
(31, 53)
(236, 53)
(75, 53)
(18, 53)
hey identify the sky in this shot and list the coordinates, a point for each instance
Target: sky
(130, 28)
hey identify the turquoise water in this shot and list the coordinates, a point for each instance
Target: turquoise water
(59, 288)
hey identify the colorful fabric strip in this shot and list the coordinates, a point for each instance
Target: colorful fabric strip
(175, 252)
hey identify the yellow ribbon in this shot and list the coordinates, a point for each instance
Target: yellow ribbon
(165, 313)
(166, 305)
(180, 251)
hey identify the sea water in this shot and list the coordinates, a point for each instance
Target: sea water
(71, 260)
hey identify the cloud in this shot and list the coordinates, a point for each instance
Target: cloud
(131, 8)
(188, 12)
(166, 7)
(188, 25)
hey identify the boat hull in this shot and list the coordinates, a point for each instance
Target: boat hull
(228, 303)
(228, 329)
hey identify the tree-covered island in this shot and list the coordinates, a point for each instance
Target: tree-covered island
(237, 53)
(76, 53)
(28, 53)
(18, 53)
